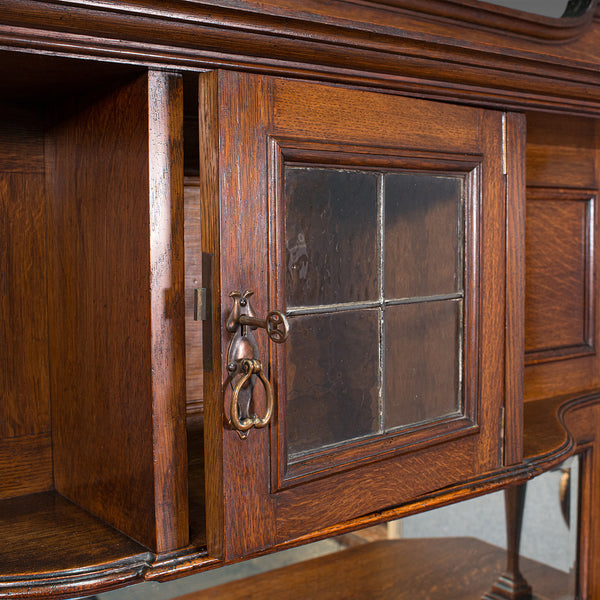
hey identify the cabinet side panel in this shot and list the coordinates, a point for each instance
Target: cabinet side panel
(211, 337)
(168, 308)
(99, 302)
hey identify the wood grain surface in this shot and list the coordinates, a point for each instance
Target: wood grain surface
(561, 256)
(427, 569)
(116, 231)
(25, 447)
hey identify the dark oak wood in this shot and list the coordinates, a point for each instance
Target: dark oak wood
(436, 569)
(25, 444)
(25, 465)
(117, 305)
(559, 301)
(97, 345)
(387, 48)
(516, 137)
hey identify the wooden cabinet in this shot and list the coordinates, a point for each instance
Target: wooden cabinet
(411, 191)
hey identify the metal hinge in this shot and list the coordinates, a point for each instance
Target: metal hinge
(504, 146)
(199, 304)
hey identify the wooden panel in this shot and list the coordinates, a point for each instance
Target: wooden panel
(423, 569)
(562, 155)
(25, 405)
(560, 151)
(116, 228)
(100, 326)
(515, 284)
(25, 465)
(257, 118)
(193, 280)
(25, 444)
(342, 115)
(243, 108)
(559, 299)
(21, 140)
(167, 305)
(24, 388)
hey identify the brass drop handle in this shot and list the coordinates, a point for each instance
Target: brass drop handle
(243, 361)
(249, 367)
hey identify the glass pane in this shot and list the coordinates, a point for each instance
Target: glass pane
(332, 378)
(371, 256)
(331, 236)
(421, 361)
(423, 249)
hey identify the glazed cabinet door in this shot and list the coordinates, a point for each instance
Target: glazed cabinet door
(355, 255)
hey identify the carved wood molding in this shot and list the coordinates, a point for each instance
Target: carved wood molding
(375, 45)
(78, 581)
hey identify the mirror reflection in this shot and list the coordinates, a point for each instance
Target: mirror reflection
(547, 8)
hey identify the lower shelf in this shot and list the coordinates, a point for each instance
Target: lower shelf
(49, 542)
(432, 569)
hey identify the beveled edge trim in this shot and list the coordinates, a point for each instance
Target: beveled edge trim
(89, 580)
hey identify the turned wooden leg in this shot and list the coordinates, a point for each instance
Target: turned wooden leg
(511, 585)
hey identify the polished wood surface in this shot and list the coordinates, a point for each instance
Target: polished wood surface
(559, 305)
(25, 465)
(194, 359)
(59, 540)
(25, 447)
(95, 287)
(167, 304)
(562, 305)
(516, 141)
(444, 50)
(99, 235)
(432, 569)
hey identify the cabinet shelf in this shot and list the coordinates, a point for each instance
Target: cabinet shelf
(63, 543)
(435, 569)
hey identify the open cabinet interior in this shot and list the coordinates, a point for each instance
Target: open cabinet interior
(93, 451)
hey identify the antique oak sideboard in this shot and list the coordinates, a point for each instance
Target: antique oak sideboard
(275, 271)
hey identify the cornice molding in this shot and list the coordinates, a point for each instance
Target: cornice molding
(389, 45)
